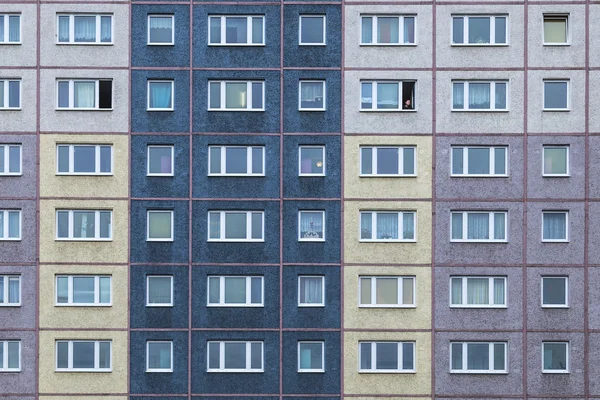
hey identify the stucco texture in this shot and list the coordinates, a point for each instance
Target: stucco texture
(25, 184)
(23, 54)
(23, 316)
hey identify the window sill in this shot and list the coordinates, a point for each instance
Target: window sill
(83, 174)
(311, 371)
(312, 44)
(479, 44)
(386, 241)
(11, 109)
(10, 305)
(19, 174)
(555, 241)
(556, 44)
(478, 176)
(83, 305)
(237, 175)
(554, 372)
(236, 110)
(10, 43)
(161, 175)
(479, 111)
(312, 240)
(387, 372)
(154, 371)
(479, 307)
(10, 240)
(235, 241)
(556, 175)
(555, 306)
(480, 372)
(556, 109)
(160, 44)
(236, 371)
(160, 109)
(159, 305)
(81, 240)
(412, 306)
(84, 44)
(479, 241)
(312, 110)
(7, 371)
(388, 45)
(160, 240)
(311, 305)
(236, 44)
(388, 176)
(83, 109)
(311, 175)
(84, 370)
(240, 305)
(384, 110)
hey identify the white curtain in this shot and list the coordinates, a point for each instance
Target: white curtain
(161, 29)
(14, 28)
(311, 291)
(63, 29)
(456, 290)
(457, 226)
(105, 29)
(499, 291)
(478, 291)
(387, 226)
(408, 226)
(478, 226)
(387, 30)
(85, 29)
(479, 95)
(555, 226)
(366, 220)
(311, 91)
(84, 94)
(458, 95)
(311, 225)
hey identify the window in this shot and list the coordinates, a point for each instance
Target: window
(236, 95)
(311, 357)
(235, 356)
(556, 161)
(83, 225)
(311, 161)
(10, 356)
(478, 226)
(556, 95)
(80, 290)
(311, 226)
(479, 30)
(10, 159)
(555, 226)
(555, 357)
(476, 161)
(160, 30)
(83, 355)
(86, 29)
(386, 357)
(10, 225)
(159, 291)
(311, 291)
(556, 30)
(89, 94)
(236, 226)
(478, 291)
(236, 30)
(10, 94)
(479, 95)
(10, 290)
(312, 30)
(387, 226)
(160, 95)
(387, 291)
(84, 159)
(388, 29)
(478, 357)
(10, 29)
(159, 226)
(236, 160)
(555, 292)
(388, 161)
(160, 161)
(235, 291)
(387, 95)
(312, 95)
(159, 356)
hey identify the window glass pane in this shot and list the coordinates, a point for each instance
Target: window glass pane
(235, 290)
(387, 226)
(14, 95)
(159, 289)
(311, 290)
(236, 94)
(2, 170)
(478, 356)
(236, 30)
(215, 160)
(63, 159)
(159, 355)
(257, 225)
(499, 226)
(2, 39)
(479, 96)
(161, 29)
(311, 356)
(256, 355)
(235, 355)
(311, 225)
(214, 228)
(84, 94)
(367, 30)
(84, 223)
(555, 160)
(499, 356)
(478, 291)
(457, 352)
(387, 290)
(63, 94)
(105, 29)
(366, 154)
(104, 358)
(62, 355)
(14, 28)
(500, 96)
(555, 30)
(365, 356)
(409, 161)
(366, 230)
(458, 95)
(387, 355)
(500, 29)
(457, 30)
(214, 290)
(214, 354)
(14, 290)
(104, 290)
(236, 160)
(457, 160)
(159, 225)
(499, 290)
(311, 95)
(257, 160)
(555, 95)
(215, 94)
(478, 226)
(365, 291)
(257, 30)
(215, 30)
(407, 291)
(554, 291)
(105, 217)
(14, 224)
(257, 95)
(83, 354)
(13, 354)
(105, 159)
(478, 160)
(479, 29)
(255, 290)
(387, 161)
(84, 158)
(409, 29)
(408, 355)
(387, 95)
(160, 95)
(387, 30)
(500, 160)
(457, 291)
(555, 226)
(366, 97)
(555, 356)
(311, 160)
(311, 30)
(14, 159)
(83, 289)
(62, 290)
(160, 160)
(85, 28)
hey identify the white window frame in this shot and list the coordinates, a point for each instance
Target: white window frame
(464, 294)
(148, 304)
(5, 149)
(309, 370)
(465, 348)
(568, 159)
(4, 345)
(322, 303)
(148, 42)
(150, 81)
(491, 226)
(5, 82)
(300, 173)
(492, 163)
(222, 368)
(559, 16)
(566, 239)
(400, 215)
(374, 26)
(465, 21)
(148, 147)
(324, 18)
(308, 239)
(148, 369)
(97, 148)
(375, 84)
(148, 238)
(374, 153)
(323, 84)
(6, 292)
(249, 35)
(566, 284)
(567, 370)
(249, 95)
(96, 356)
(492, 108)
(96, 237)
(70, 291)
(248, 303)
(249, 160)
(248, 238)
(6, 18)
(399, 284)
(5, 228)
(97, 41)
(72, 107)
(568, 99)
(399, 345)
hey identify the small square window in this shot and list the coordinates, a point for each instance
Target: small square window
(555, 357)
(159, 291)
(312, 96)
(10, 159)
(556, 95)
(312, 161)
(160, 30)
(311, 357)
(556, 161)
(555, 292)
(312, 30)
(159, 356)
(555, 226)
(160, 161)
(160, 226)
(10, 29)
(311, 226)
(311, 291)
(160, 95)
(10, 94)
(556, 30)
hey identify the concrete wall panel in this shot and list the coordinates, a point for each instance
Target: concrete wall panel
(24, 54)
(25, 184)
(24, 119)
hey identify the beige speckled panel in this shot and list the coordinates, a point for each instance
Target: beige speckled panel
(387, 318)
(392, 252)
(52, 316)
(355, 186)
(418, 383)
(116, 185)
(51, 381)
(52, 250)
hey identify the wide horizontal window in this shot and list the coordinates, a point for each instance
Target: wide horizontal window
(83, 225)
(161, 161)
(311, 160)
(312, 95)
(392, 357)
(10, 225)
(387, 226)
(236, 95)
(83, 355)
(312, 30)
(85, 28)
(311, 226)
(387, 161)
(555, 357)
(556, 95)
(10, 159)
(311, 291)
(159, 225)
(236, 30)
(387, 291)
(311, 356)
(159, 291)
(477, 291)
(480, 95)
(479, 29)
(235, 291)
(161, 30)
(556, 160)
(10, 356)
(236, 226)
(160, 95)
(555, 226)
(387, 95)
(478, 226)
(10, 29)
(84, 159)
(555, 291)
(234, 356)
(84, 94)
(388, 29)
(159, 356)
(82, 290)
(10, 290)
(476, 161)
(10, 94)
(236, 160)
(478, 357)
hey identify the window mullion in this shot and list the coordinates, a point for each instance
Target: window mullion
(248, 354)
(401, 31)
(400, 289)
(465, 22)
(97, 224)
(491, 297)
(465, 365)
(98, 22)
(97, 93)
(374, 37)
(400, 362)
(5, 354)
(221, 290)
(400, 160)
(96, 354)
(70, 354)
(221, 355)
(400, 217)
(492, 30)
(249, 38)
(373, 225)
(466, 91)
(6, 96)
(96, 290)
(223, 31)
(491, 356)
(248, 225)
(71, 159)
(491, 226)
